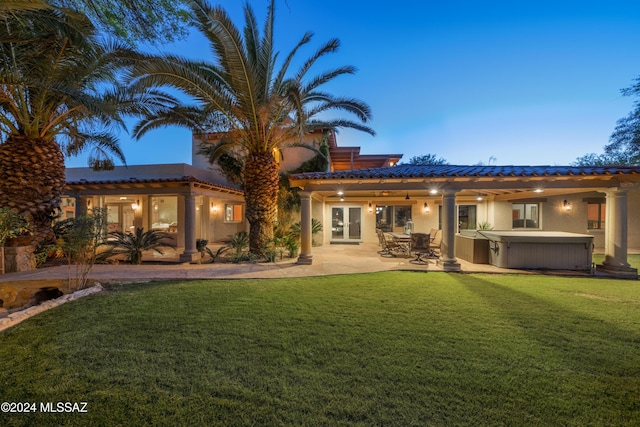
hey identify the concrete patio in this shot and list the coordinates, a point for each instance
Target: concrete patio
(327, 260)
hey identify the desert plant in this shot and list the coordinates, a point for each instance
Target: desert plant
(485, 226)
(292, 244)
(316, 227)
(78, 241)
(61, 95)
(214, 256)
(270, 250)
(239, 243)
(12, 225)
(131, 245)
(201, 245)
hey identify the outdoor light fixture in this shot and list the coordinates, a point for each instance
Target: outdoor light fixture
(567, 206)
(88, 203)
(340, 193)
(370, 207)
(342, 199)
(135, 206)
(433, 191)
(426, 207)
(407, 198)
(479, 198)
(538, 190)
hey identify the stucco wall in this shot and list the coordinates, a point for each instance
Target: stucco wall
(290, 158)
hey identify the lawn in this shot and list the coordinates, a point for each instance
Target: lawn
(632, 259)
(374, 349)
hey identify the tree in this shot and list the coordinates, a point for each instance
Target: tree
(427, 160)
(148, 21)
(134, 20)
(624, 142)
(261, 107)
(59, 95)
(606, 159)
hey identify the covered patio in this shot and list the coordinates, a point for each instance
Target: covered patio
(554, 188)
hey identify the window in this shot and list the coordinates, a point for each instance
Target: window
(467, 217)
(388, 217)
(596, 215)
(232, 213)
(525, 215)
(164, 214)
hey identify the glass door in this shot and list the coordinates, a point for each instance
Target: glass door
(346, 223)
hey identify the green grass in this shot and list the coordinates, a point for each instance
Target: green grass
(374, 349)
(632, 259)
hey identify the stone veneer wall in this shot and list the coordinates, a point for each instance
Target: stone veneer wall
(19, 258)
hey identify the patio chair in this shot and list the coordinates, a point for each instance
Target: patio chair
(391, 246)
(436, 241)
(420, 247)
(380, 235)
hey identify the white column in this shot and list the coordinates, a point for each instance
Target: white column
(447, 254)
(305, 229)
(616, 235)
(190, 253)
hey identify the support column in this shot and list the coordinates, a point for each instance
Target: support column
(615, 249)
(190, 253)
(305, 257)
(447, 252)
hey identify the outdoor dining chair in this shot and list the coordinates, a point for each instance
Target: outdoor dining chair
(436, 241)
(420, 248)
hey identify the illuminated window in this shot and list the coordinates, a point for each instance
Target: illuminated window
(232, 213)
(164, 214)
(596, 215)
(388, 217)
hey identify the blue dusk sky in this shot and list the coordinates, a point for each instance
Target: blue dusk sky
(526, 83)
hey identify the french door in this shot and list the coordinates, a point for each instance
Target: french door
(346, 224)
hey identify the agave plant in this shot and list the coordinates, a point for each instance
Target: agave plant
(131, 245)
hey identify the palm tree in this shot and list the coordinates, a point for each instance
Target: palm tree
(58, 96)
(259, 105)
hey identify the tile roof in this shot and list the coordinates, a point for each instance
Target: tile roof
(452, 171)
(183, 179)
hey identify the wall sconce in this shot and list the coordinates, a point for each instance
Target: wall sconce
(370, 207)
(567, 206)
(89, 203)
(214, 208)
(426, 207)
(135, 206)
(407, 197)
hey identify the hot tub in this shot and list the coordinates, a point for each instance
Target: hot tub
(547, 250)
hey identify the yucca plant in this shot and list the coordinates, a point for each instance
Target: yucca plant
(131, 245)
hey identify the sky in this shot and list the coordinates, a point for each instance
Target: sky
(492, 82)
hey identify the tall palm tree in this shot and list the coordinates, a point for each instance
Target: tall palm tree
(58, 96)
(246, 92)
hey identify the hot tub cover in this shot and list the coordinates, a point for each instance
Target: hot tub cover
(535, 236)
